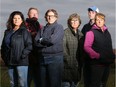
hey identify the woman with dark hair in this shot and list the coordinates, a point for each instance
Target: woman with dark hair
(50, 51)
(16, 46)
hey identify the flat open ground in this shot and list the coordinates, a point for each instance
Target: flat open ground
(4, 78)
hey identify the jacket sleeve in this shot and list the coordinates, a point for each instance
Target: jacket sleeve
(4, 54)
(37, 40)
(27, 43)
(89, 39)
(50, 39)
(65, 51)
(57, 35)
(2, 49)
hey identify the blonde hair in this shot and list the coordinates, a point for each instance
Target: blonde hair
(74, 15)
(100, 15)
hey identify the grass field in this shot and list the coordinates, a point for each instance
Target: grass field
(4, 81)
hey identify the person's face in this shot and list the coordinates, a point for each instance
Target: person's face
(17, 20)
(100, 22)
(91, 14)
(33, 13)
(74, 23)
(51, 18)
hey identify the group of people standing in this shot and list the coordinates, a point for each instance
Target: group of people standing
(52, 56)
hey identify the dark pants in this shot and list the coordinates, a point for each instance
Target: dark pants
(33, 75)
(70, 84)
(86, 73)
(33, 71)
(51, 71)
(99, 75)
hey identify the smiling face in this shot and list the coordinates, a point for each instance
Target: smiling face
(17, 20)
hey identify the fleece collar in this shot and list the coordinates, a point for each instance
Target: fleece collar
(96, 27)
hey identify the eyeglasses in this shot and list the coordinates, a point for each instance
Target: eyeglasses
(51, 16)
(74, 20)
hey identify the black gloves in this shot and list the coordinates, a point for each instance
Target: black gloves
(45, 41)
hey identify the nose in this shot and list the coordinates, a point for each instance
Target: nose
(99, 21)
(16, 19)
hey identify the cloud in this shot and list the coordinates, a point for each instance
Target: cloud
(64, 8)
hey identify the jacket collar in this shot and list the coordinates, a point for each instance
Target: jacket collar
(96, 27)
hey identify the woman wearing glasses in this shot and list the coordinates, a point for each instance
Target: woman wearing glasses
(72, 35)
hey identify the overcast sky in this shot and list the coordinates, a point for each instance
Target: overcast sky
(64, 9)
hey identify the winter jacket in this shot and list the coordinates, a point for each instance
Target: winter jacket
(87, 27)
(20, 47)
(33, 26)
(71, 58)
(98, 45)
(51, 43)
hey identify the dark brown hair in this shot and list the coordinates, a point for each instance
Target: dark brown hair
(51, 10)
(10, 24)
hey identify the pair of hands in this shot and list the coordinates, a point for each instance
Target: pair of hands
(45, 41)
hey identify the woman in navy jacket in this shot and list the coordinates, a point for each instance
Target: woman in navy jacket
(16, 46)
